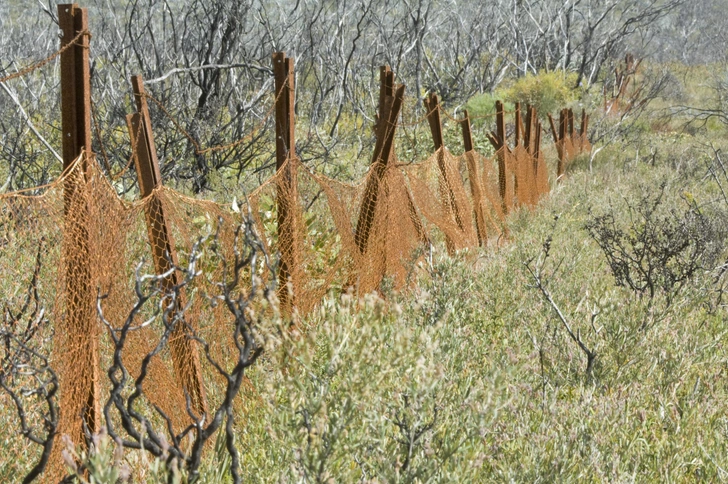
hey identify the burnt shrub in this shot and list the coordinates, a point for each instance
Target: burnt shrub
(658, 249)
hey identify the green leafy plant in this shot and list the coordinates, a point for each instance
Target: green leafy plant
(484, 104)
(547, 91)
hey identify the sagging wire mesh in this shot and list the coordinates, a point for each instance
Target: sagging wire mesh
(83, 242)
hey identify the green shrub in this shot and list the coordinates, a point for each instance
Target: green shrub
(484, 104)
(546, 91)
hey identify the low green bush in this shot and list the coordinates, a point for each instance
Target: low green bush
(484, 104)
(546, 91)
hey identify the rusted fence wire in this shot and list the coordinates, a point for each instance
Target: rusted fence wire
(331, 236)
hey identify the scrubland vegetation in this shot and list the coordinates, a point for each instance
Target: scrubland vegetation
(588, 344)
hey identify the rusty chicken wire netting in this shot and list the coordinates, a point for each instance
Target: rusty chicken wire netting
(75, 241)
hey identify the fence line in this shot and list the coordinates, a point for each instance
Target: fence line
(366, 231)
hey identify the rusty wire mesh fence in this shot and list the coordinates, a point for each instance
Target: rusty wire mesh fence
(74, 250)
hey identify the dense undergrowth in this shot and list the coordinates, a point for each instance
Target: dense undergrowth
(473, 375)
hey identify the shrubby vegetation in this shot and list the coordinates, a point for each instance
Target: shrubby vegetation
(471, 376)
(588, 345)
(546, 91)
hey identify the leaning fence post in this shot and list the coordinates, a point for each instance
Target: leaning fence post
(286, 181)
(386, 89)
(185, 357)
(474, 178)
(80, 394)
(432, 104)
(389, 112)
(554, 133)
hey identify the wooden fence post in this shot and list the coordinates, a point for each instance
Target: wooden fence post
(571, 123)
(561, 146)
(529, 143)
(537, 141)
(554, 133)
(467, 133)
(530, 131)
(286, 182)
(80, 394)
(474, 178)
(519, 126)
(386, 88)
(185, 357)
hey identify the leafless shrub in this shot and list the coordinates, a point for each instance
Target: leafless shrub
(136, 432)
(25, 373)
(657, 251)
(540, 281)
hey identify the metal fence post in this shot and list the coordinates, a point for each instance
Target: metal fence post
(80, 394)
(287, 182)
(185, 357)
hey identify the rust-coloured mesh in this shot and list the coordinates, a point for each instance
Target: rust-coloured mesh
(336, 235)
(531, 176)
(91, 242)
(569, 148)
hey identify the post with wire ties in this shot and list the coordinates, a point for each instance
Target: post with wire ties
(80, 393)
(185, 357)
(286, 183)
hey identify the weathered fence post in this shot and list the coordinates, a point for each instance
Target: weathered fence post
(528, 137)
(432, 105)
(498, 140)
(583, 129)
(537, 142)
(386, 88)
(554, 133)
(571, 123)
(519, 129)
(286, 182)
(528, 140)
(534, 149)
(80, 393)
(467, 133)
(474, 179)
(386, 126)
(185, 357)
(561, 147)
